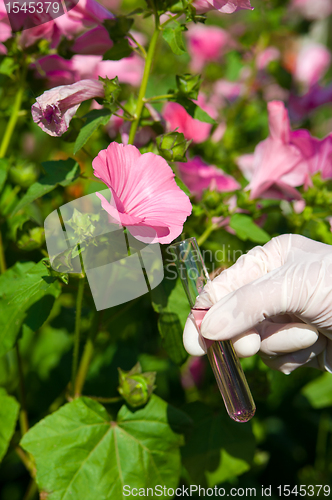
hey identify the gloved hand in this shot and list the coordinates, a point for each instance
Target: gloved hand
(275, 300)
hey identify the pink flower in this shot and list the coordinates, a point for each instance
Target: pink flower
(205, 44)
(224, 6)
(286, 159)
(278, 165)
(313, 10)
(225, 92)
(55, 108)
(46, 31)
(56, 70)
(5, 28)
(178, 118)
(128, 70)
(199, 176)
(86, 13)
(268, 55)
(145, 196)
(59, 71)
(94, 42)
(5, 34)
(312, 62)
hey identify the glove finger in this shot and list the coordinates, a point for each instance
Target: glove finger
(287, 363)
(193, 341)
(279, 338)
(324, 360)
(245, 308)
(247, 344)
(249, 267)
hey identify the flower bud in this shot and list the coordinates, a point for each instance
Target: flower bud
(189, 85)
(111, 88)
(136, 387)
(173, 146)
(23, 175)
(31, 240)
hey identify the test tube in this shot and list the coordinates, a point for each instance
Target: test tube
(224, 361)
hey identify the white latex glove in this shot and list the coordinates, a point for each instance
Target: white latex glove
(275, 300)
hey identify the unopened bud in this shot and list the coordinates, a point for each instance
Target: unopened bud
(173, 146)
(136, 387)
(189, 85)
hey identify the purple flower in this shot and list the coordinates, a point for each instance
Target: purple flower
(199, 176)
(55, 108)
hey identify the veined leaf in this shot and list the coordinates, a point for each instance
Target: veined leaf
(120, 50)
(94, 118)
(172, 304)
(246, 229)
(195, 111)
(81, 453)
(217, 449)
(319, 391)
(173, 36)
(9, 408)
(27, 294)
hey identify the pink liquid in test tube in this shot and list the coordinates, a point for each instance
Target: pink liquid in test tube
(224, 362)
(229, 375)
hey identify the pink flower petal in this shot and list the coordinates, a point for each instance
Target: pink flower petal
(144, 191)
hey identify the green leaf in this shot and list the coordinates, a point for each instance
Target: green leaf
(58, 173)
(8, 66)
(319, 391)
(94, 118)
(173, 36)
(202, 116)
(218, 448)
(9, 408)
(4, 166)
(182, 185)
(172, 304)
(246, 229)
(27, 295)
(194, 111)
(119, 51)
(81, 453)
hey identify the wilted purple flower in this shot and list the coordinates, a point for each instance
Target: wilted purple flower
(55, 108)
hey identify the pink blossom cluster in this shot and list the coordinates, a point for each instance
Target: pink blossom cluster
(85, 15)
(286, 159)
(59, 71)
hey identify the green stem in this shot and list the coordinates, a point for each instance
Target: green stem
(206, 234)
(116, 399)
(159, 97)
(31, 491)
(13, 117)
(142, 90)
(79, 300)
(86, 357)
(24, 423)
(173, 18)
(25, 459)
(141, 48)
